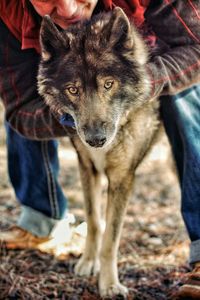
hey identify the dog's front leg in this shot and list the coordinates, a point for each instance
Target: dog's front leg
(119, 192)
(89, 263)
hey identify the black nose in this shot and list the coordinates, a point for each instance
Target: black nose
(95, 134)
(96, 141)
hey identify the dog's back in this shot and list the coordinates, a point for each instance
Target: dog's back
(95, 71)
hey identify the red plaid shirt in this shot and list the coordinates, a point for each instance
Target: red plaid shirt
(175, 67)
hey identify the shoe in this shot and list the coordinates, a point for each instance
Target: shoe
(191, 288)
(18, 238)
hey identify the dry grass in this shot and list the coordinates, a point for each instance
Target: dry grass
(153, 249)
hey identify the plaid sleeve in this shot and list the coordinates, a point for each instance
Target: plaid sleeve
(177, 24)
(25, 109)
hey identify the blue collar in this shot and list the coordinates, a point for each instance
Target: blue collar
(67, 120)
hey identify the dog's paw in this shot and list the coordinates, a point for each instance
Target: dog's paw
(87, 267)
(114, 290)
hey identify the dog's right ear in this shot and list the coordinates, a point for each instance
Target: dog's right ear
(51, 39)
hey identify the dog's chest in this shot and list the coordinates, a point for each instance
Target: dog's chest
(98, 156)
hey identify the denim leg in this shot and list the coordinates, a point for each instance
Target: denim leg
(181, 116)
(33, 170)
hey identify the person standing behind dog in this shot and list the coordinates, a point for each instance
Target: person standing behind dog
(174, 67)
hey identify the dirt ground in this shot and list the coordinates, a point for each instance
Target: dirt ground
(153, 249)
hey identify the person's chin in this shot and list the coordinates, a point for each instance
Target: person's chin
(64, 24)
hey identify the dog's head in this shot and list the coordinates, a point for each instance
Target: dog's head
(95, 71)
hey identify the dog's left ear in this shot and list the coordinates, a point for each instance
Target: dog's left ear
(120, 31)
(113, 27)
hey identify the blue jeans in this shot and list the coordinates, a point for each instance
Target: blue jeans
(181, 116)
(33, 170)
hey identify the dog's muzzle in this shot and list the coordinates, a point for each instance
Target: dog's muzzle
(96, 142)
(95, 136)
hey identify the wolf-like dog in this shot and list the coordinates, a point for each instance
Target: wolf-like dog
(95, 71)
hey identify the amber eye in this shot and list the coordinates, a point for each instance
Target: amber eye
(72, 90)
(108, 84)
